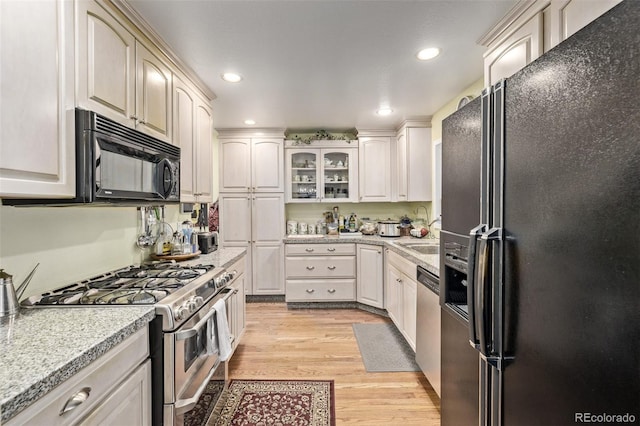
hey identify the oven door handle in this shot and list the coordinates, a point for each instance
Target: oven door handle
(190, 332)
(184, 405)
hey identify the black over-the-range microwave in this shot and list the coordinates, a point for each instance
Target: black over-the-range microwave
(118, 165)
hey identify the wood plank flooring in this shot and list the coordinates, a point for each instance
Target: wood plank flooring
(319, 344)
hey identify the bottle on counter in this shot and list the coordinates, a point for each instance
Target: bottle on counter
(341, 223)
(353, 223)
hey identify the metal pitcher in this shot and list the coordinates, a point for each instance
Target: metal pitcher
(9, 296)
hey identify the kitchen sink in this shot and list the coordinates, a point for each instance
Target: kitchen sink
(420, 247)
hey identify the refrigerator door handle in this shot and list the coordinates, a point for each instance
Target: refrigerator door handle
(474, 235)
(482, 301)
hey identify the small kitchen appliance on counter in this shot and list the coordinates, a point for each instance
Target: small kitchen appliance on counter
(389, 228)
(207, 241)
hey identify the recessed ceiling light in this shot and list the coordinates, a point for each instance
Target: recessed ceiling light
(429, 53)
(249, 122)
(231, 77)
(384, 111)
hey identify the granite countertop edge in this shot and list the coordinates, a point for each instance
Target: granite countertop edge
(430, 262)
(13, 404)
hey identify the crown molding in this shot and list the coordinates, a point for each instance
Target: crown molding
(520, 9)
(226, 133)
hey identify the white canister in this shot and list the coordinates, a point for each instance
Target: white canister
(292, 227)
(312, 229)
(302, 228)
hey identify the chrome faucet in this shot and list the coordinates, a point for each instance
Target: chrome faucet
(438, 219)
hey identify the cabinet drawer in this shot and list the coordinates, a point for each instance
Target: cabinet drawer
(97, 380)
(321, 290)
(321, 267)
(320, 249)
(405, 266)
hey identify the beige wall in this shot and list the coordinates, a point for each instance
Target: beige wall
(70, 243)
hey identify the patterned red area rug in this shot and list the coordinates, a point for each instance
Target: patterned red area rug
(278, 402)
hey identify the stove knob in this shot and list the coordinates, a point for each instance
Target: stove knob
(199, 300)
(181, 313)
(192, 305)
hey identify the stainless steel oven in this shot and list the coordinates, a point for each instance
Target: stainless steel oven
(192, 363)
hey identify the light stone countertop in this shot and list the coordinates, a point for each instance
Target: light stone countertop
(43, 347)
(431, 262)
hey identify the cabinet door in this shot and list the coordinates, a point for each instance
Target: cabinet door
(106, 65)
(130, 403)
(418, 164)
(401, 166)
(204, 153)
(184, 102)
(394, 295)
(569, 16)
(37, 134)
(235, 165)
(370, 276)
(375, 169)
(268, 268)
(303, 175)
(339, 175)
(515, 52)
(409, 310)
(267, 171)
(235, 220)
(153, 94)
(268, 218)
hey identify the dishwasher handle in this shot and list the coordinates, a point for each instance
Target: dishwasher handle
(428, 279)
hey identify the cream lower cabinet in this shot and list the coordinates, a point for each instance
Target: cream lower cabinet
(256, 221)
(370, 275)
(193, 133)
(320, 272)
(37, 134)
(113, 390)
(402, 297)
(119, 77)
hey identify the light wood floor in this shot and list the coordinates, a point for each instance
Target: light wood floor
(319, 344)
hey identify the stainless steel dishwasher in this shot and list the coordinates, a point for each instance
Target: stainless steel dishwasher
(428, 327)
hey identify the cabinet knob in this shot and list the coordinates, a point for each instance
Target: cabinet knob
(133, 117)
(331, 268)
(309, 250)
(331, 290)
(142, 122)
(310, 290)
(311, 268)
(331, 249)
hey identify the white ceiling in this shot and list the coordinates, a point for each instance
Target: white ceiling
(311, 64)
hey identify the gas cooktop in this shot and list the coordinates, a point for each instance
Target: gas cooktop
(145, 284)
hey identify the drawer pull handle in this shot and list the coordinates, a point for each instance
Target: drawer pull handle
(310, 290)
(398, 280)
(311, 268)
(332, 290)
(309, 250)
(75, 401)
(331, 268)
(331, 249)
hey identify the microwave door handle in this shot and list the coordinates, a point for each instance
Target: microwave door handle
(166, 178)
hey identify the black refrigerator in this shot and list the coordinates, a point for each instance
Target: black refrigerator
(540, 269)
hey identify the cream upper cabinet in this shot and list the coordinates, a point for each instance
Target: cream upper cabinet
(569, 16)
(534, 27)
(37, 145)
(413, 164)
(518, 49)
(376, 154)
(193, 133)
(325, 174)
(267, 170)
(235, 165)
(251, 164)
(118, 76)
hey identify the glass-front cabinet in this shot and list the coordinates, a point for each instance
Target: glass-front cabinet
(322, 174)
